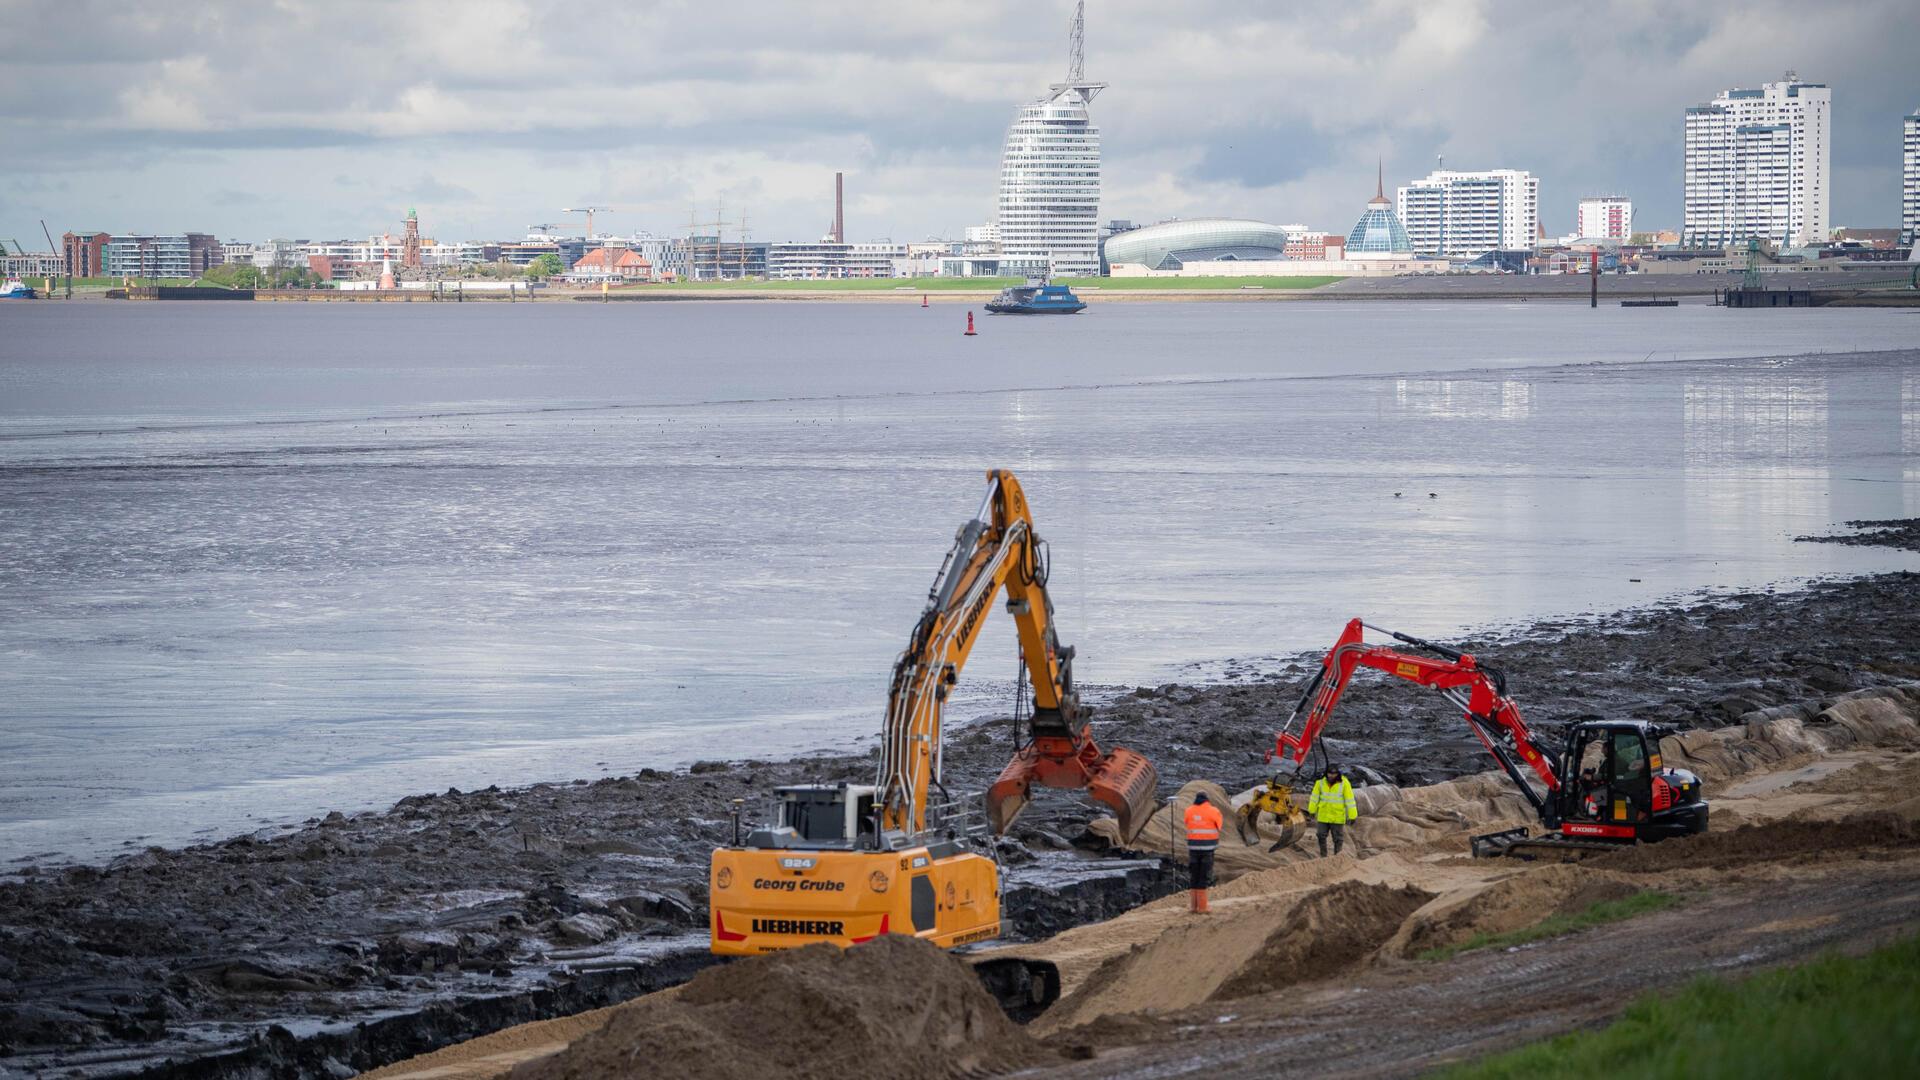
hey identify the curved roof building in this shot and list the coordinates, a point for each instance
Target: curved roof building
(1379, 231)
(1171, 244)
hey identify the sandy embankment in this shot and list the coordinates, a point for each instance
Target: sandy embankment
(1779, 781)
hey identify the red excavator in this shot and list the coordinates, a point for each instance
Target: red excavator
(1607, 787)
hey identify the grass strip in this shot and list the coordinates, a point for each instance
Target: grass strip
(1833, 1016)
(985, 284)
(1606, 911)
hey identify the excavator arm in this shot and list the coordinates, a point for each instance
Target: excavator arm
(1478, 690)
(998, 550)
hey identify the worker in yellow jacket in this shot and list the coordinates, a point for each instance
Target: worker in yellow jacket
(1331, 806)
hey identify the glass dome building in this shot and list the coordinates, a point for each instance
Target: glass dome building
(1379, 231)
(1171, 244)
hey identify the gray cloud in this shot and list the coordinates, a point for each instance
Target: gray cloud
(488, 114)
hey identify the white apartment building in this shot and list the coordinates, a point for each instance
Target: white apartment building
(1463, 214)
(1605, 217)
(1910, 180)
(1758, 164)
(827, 258)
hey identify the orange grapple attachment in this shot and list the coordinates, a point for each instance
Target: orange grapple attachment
(1122, 781)
(1127, 784)
(1009, 794)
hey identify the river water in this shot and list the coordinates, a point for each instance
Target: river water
(262, 561)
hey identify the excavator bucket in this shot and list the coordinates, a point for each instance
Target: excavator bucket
(1121, 780)
(1127, 784)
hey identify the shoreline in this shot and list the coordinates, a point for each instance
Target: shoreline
(1495, 288)
(449, 915)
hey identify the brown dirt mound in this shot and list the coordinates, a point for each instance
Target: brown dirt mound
(1509, 904)
(895, 1007)
(1331, 930)
(1770, 842)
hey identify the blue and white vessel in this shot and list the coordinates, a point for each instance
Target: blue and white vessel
(15, 289)
(1036, 298)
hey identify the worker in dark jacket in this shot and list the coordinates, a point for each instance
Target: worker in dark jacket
(1332, 806)
(1203, 821)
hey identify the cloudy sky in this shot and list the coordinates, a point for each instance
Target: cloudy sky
(321, 120)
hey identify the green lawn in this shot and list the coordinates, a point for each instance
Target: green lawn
(1605, 911)
(917, 285)
(1115, 284)
(1835, 1016)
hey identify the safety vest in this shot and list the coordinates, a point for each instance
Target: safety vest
(1332, 803)
(1203, 827)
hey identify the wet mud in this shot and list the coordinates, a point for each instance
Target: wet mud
(355, 940)
(1903, 533)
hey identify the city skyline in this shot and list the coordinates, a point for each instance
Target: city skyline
(493, 121)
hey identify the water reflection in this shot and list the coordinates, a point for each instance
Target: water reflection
(1465, 399)
(1768, 422)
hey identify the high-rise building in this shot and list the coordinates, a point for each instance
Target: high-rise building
(1910, 180)
(1049, 205)
(1471, 213)
(1758, 164)
(1605, 217)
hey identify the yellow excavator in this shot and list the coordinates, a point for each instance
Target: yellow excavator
(845, 863)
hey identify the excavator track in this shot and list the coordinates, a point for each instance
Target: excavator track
(1024, 988)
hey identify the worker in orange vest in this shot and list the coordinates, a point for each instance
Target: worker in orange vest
(1203, 836)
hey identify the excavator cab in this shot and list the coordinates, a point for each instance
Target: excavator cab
(1621, 789)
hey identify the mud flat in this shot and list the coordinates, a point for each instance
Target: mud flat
(352, 941)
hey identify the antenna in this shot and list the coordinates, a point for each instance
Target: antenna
(1077, 45)
(1077, 58)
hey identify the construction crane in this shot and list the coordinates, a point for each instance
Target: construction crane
(589, 211)
(545, 227)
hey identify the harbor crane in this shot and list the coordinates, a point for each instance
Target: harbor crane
(589, 211)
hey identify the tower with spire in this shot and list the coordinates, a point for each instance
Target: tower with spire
(1049, 205)
(1378, 234)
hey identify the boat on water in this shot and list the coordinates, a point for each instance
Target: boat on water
(1036, 298)
(15, 289)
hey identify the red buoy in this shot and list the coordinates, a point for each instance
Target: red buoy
(923, 299)
(969, 332)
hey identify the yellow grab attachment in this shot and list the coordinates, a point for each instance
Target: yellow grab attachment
(1275, 800)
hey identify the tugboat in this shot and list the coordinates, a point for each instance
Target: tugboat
(1036, 298)
(15, 289)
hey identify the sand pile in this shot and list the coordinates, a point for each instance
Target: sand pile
(1243, 948)
(894, 1007)
(1773, 841)
(1511, 903)
(1332, 929)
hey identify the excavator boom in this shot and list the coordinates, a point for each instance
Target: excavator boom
(1479, 691)
(995, 550)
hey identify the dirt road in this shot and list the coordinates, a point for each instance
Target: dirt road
(1406, 1018)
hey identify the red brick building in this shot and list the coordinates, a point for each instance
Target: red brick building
(83, 253)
